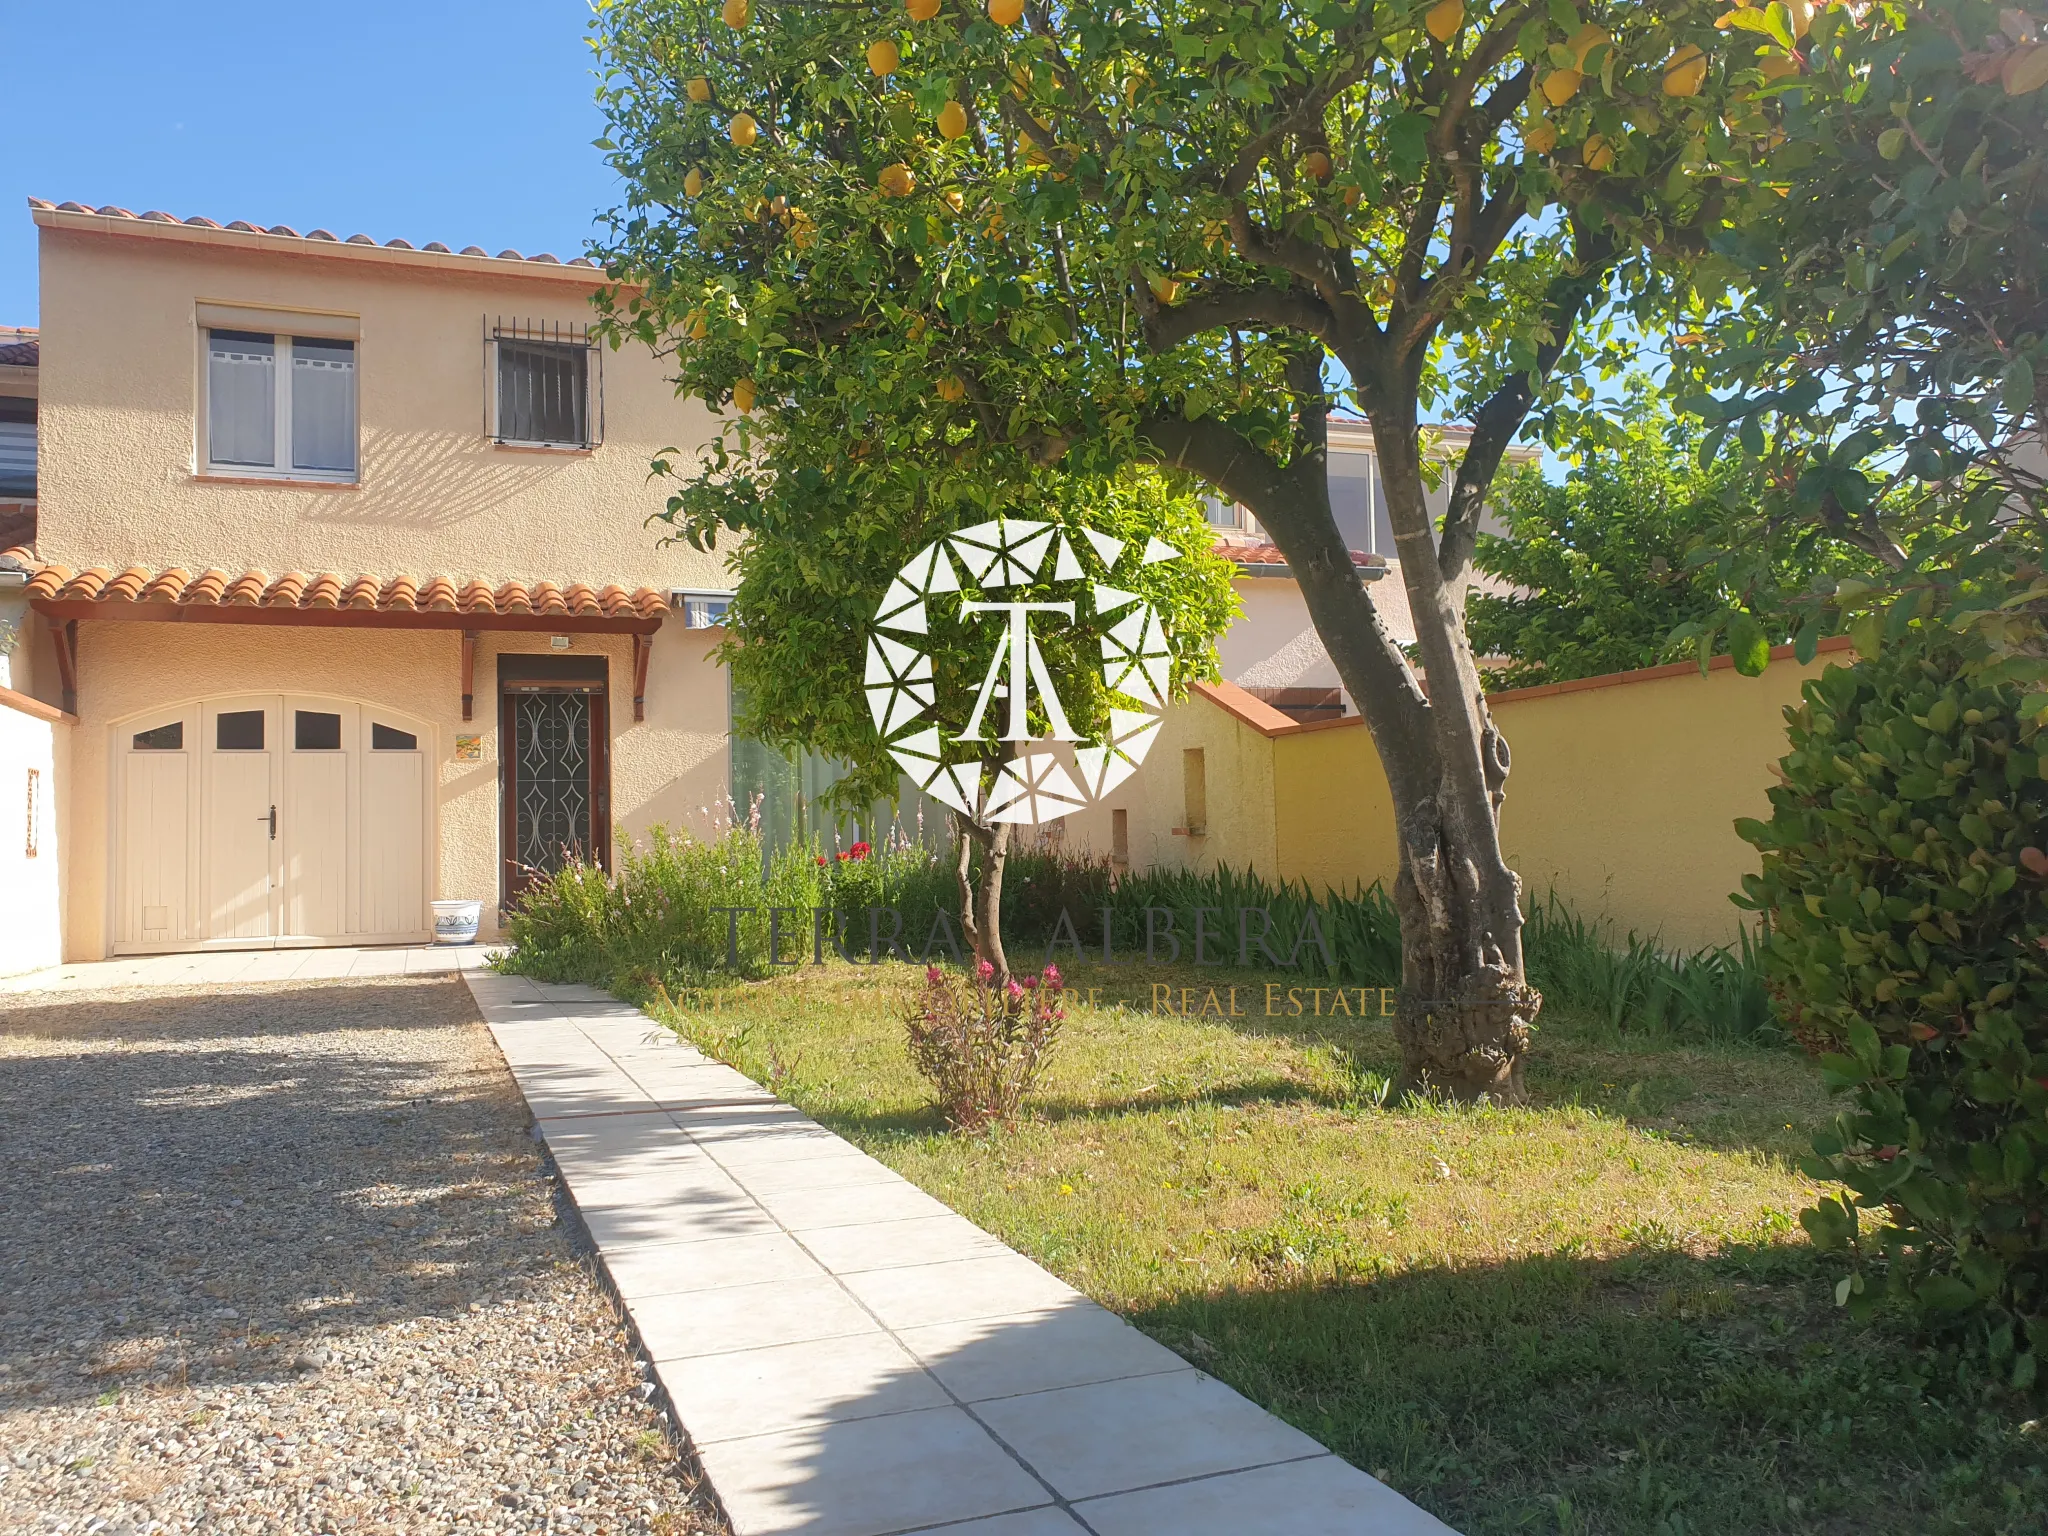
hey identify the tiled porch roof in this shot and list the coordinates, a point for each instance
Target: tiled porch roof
(328, 592)
(1261, 552)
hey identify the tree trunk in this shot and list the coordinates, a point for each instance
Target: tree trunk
(1466, 1006)
(981, 902)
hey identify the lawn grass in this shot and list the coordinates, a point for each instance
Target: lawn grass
(1595, 1314)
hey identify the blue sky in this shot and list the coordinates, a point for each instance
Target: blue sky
(449, 120)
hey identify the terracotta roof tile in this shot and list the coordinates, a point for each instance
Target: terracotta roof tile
(157, 216)
(325, 590)
(1262, 553)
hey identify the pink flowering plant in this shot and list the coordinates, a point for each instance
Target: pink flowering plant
(983, 1045)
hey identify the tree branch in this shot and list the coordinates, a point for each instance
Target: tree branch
(1495, 423)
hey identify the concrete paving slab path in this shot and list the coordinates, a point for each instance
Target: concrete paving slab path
(848, 1357)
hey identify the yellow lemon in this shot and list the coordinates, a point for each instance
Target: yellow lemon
(743, 130)
(736, 13)
(1584, 41)
(995, 224)
(952, 388)
(1776, 66)
(916, 328)
(1351, 197)
(883, 58)
(954, 200)
(896, 180)
(1685, 72)
(1316, 165)
(1540, 136)
(693, 183)
(1597, 153)
(699, 89)
(921, 10)
(952, 120)
(1165, 289)
(1561, 85)
(693, 325)
(1800, 14)
(743, 395)
(1006, 13)
(1444, 18)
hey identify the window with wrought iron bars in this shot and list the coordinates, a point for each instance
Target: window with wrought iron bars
(546, 384)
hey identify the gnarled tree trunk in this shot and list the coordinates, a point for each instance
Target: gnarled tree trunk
(1466, 1006)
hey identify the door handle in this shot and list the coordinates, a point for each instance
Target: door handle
(272, 819)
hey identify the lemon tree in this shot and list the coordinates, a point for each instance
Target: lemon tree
(1182, 233)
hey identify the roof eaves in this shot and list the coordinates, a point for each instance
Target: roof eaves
(284, 240)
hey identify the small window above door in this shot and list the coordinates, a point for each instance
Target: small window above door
(388, 738)
(162, 738)
(315, 731)
(238, 730)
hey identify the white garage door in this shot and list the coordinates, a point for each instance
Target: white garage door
(251, 822)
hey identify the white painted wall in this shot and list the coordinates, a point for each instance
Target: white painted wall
(31, 899)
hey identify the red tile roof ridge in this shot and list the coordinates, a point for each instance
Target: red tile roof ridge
(39, 205)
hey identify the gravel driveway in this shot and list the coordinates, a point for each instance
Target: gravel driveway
(284, 1258)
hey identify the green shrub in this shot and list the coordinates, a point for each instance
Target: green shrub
(1902, 883)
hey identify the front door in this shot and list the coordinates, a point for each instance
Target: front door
(240, 783)
(557, 777)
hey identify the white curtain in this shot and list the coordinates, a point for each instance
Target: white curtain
(323, 405)
(241, 399)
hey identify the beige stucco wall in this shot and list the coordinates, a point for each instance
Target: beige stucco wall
(672, 761)
(120, 381)
(1272, 643)
(1243, 813)
(31, 889)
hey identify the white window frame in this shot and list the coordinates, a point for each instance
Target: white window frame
(281, 467)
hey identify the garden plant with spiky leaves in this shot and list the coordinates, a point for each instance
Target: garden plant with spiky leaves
(1046, 235)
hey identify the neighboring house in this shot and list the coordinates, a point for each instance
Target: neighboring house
(1273, 651)
(340, 560)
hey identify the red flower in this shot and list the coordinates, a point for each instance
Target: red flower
(857, 851)
(821, 858)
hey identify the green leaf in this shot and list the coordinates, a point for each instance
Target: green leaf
(1866, 634)
(2016, 387)
(1408, 144)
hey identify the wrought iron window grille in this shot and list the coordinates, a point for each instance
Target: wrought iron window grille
(543, 384)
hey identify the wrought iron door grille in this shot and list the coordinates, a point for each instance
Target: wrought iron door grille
(552, 811)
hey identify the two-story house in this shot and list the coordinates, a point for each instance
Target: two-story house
(340, 564)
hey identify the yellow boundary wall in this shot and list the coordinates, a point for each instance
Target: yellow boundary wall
(1622, 796)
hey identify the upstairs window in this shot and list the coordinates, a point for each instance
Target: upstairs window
(546, 388)
(281, 406)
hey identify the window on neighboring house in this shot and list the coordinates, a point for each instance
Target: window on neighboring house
(280, 405)
(702, 610)
(1221, 513)
(547, 387)
(17, 447)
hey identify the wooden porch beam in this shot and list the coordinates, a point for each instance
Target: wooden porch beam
(64, 633)
(643, 647)
(469, 671)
